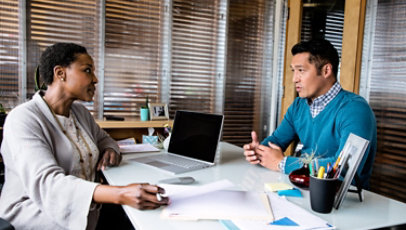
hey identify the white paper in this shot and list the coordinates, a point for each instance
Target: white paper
(138, 148)
(211, 201)
(128, 141)
(179, 193)
(282, 208)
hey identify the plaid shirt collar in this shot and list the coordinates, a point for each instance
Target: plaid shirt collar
(318, 104)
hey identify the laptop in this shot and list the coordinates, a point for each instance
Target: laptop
(193, 143)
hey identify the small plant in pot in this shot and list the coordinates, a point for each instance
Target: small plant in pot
(301, 177)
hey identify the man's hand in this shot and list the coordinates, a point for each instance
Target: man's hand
(270, 156)
(110, 158)
(250, 149)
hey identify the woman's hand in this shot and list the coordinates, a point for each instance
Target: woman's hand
(110, 158)
(142, 196)
(139, 196)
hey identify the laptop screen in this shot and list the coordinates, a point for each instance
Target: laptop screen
(196, 135)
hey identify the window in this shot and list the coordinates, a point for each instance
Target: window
(208, 56)
(199, 69)
(247, 88)
(132, 56)
(60, 21)
(195, 33)
(324, 20)
(383, 82)
(9, 38)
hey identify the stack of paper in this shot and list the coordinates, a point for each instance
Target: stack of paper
(128, 146)
(212, 201)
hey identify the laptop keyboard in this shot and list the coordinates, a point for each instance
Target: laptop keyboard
(179, 161)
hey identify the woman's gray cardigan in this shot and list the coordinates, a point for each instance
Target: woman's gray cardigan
(39, 192)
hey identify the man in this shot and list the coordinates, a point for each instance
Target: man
(321, 117)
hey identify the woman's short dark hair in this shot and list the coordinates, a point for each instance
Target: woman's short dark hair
(62, 54)
(321, 52)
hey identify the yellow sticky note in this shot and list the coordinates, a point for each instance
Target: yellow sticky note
(272, 187)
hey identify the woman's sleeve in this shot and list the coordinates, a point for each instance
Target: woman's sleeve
(63, 198)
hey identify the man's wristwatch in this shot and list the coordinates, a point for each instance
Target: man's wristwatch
(281, 165)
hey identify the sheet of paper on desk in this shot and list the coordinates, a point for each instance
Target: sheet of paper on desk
(128, 141)
(217, 204)
(287, 216)
(129, 146)
(138, 148)
(181, 192)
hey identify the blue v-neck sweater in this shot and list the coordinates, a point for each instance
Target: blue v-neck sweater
(327, 133)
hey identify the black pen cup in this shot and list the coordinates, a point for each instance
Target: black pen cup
(322, 194)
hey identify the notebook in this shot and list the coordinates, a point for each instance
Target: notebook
(193, 143)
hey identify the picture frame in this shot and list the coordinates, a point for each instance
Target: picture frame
(353, 151)
(158, 111)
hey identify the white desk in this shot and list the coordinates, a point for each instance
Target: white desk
(374, 212)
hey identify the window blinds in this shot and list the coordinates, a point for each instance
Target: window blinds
(170, 51)
(9, 36)
(195, 45)
(245, 70)
(194, 52)
(132, 55)
(387, 97)
(50, 22)
(325, 20)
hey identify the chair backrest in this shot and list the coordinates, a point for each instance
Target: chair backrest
(5, 225)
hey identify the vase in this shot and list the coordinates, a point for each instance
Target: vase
(166, 142)
(144, 114)
(300, 177)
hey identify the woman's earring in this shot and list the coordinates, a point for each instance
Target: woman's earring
(62, 79)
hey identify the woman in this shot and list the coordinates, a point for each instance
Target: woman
(52, 148)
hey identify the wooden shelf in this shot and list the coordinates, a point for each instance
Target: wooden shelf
(132, 128)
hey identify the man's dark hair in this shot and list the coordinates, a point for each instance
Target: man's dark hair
(62, 54)
(321, 52)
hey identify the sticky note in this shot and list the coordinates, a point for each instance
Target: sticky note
(284, 222)
(272, 187)
(290, 192)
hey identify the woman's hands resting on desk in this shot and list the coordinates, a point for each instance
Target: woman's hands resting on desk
(139, 196)
(110, 158)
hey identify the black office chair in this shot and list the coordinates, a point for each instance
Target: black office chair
(5, 225)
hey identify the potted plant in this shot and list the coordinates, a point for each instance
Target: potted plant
(144, 111)
(301, 177)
